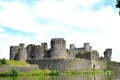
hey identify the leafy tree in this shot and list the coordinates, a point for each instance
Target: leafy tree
(3, 61)
(118, 5)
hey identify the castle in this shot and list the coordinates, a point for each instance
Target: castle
(60, 58)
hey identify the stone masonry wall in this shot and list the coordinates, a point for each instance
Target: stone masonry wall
(68, 64)
(20, 68)
(114, 65)
(62, 64)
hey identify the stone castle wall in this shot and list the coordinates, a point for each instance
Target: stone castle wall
(67, 64)
(20, 68)
(108, 54)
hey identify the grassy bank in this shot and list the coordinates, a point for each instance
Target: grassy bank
(15, 72)
(4, 62)
(16, 63)
(90, 72)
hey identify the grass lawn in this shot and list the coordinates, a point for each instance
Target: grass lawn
(16, 63)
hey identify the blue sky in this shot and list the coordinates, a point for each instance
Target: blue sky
(78, 21)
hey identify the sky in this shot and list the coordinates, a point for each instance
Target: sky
(77, 21)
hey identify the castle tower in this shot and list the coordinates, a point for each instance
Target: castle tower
(38, 52)
(30, 53)
(21, 45)
(72, 46)
(22, 53)
(86, 46)
(58, 48)
(90, 48)
(107, 54)
(44, 46)
(13, 52)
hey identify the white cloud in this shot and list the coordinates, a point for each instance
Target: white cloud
(16, 16)
(62, 14)
(7, 40)
(86, 3)
(1, 29)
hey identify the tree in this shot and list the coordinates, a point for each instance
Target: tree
(3, 61)
(118, 5)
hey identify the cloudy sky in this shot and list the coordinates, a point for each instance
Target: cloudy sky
(78, 21)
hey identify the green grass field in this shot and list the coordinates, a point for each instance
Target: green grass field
(16, 63)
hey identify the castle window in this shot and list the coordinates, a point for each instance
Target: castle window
(93, 66)
(32, 57)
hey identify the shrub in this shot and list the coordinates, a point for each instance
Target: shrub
(54, 72)
(12, 72)
(3, 61)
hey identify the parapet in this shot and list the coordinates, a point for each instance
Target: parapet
(60, 40)
(72, 46)
(21, 45)
(44, 46)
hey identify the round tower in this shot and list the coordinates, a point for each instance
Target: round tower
(86, 46)
(13, 52)
(44, 46)
(22, 54)
(107, 54)
(21, 45)
(58, 48)
(90, 48)
(30, 48)
(72, 46)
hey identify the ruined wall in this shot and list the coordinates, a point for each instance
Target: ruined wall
(108, 54)
(13, 52)
(65, 64)
(94, 55)
(72, 53)
(99, 65)
(114, 65)
(38, 52)
(44, 46)
(84, 55)
(72, 46)
(58, 48)
(20, 68)
(30, 53)
(61, 64)
(88, 55)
